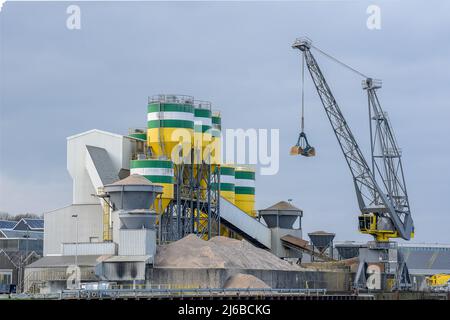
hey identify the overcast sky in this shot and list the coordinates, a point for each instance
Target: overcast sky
(57, 82)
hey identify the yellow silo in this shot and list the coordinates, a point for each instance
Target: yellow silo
(158, 171)
(226, 182)
(214, 147)
(170, 123)
(202, 129)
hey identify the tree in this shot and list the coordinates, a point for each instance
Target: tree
(17, 217)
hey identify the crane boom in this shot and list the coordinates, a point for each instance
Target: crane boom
(385, 211)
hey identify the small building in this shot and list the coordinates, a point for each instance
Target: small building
(95, 158)
(322, 241)
(20, 240)
(21, 243)
(283, 219)
(50, 273)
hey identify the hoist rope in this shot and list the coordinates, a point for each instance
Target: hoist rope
(341, 63)
(303, 93)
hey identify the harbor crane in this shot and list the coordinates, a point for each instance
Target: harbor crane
(380, 185)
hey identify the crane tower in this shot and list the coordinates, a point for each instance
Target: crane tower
(380, 186)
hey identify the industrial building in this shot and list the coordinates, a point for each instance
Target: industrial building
(21, 243)
(92, 232)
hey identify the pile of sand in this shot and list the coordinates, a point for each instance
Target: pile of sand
(219, 252)
(244, 281)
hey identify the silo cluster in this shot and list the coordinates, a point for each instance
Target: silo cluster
(182, 129)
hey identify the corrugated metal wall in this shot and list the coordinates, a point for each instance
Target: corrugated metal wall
(60, 226)
(89, 249)
(139, 242)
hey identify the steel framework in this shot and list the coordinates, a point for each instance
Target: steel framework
(196, 204)
(387, 163)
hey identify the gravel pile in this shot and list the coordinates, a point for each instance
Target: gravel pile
(244, 281)
(219, 252)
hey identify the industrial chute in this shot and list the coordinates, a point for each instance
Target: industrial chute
(302, 147)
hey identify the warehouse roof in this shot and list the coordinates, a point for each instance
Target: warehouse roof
(7, 224)
(421, 258)
(427, 260)
(128, 259)
(65, 261)
(30, 224)
(95, 131)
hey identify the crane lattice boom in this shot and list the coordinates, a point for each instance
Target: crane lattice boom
(384, 206)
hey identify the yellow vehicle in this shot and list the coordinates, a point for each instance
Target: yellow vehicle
(438, 280)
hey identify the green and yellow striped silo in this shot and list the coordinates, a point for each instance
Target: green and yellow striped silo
(202, 128)
(226, 182)
(245, 189)
(158, 172)
(216, 133)
(139, 135)
(170, 123)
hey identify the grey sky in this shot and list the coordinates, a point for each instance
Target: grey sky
(56, 82)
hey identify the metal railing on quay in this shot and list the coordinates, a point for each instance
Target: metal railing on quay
(152, 292)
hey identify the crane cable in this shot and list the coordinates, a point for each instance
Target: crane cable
(303, 93)
(303, 78)
(340, 62)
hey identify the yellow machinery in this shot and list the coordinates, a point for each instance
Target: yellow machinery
(438, 280)
(369, 224)
(245, 189)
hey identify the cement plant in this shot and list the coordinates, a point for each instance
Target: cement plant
(156, 215)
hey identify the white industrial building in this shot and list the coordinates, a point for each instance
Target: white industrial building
(94, 158)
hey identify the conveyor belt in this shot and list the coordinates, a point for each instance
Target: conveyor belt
(248, 227)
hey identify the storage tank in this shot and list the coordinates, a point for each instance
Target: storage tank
(216, 133)
(168, 117)
(158, 171)
(226, 182)
(245, 189)
(202, 128)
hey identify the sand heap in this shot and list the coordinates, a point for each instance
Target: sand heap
(244, 281)
(219, 252)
